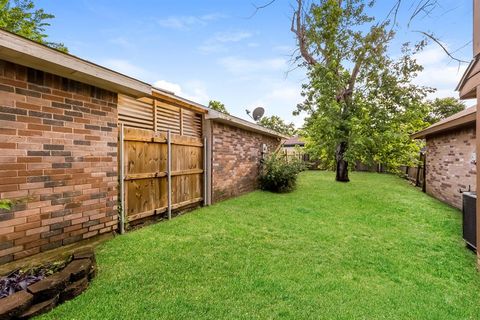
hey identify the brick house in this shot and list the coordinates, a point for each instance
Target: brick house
(451, 157)
(59, 159)
(236, 146)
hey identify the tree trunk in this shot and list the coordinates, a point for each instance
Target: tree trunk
(342, 165)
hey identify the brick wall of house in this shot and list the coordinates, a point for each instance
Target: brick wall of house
(236, 155)
(449, 165)
(58, 161)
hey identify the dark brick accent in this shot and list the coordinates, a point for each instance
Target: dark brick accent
(13, 110)
(92, 127)
(74, 114)
(29, 93)
(62, 118)
(61, 165)
(6, 88)
(38, 153)
(61, 105)
(38, 114)
(8, 117)
(81, 142)
(53, 147)
(58, 153)
(38, 178)
(60, 225)
(53, 122)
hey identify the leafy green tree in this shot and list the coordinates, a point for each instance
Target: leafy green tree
(217, 106)
(361, 103)
(278, 124)
(21, 17)
(442, 108)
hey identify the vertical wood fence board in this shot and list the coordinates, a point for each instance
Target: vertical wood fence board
(146, 180)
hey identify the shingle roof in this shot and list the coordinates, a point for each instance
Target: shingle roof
(294, 141)
(460, 119)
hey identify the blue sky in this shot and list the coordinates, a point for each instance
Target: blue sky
(208, 49)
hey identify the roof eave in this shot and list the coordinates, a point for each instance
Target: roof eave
(20, 50)
(470, 80)
(456, 124)
(243, 124)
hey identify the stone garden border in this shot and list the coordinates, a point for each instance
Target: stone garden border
(47, 293)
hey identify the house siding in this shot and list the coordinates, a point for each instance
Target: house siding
(449, 165)
(58, 161)
(236, 157)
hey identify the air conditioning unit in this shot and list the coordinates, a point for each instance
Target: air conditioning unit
(470, 219)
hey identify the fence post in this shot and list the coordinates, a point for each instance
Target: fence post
(424, 184)
(169, 174)
(122, 180)
(205, 171)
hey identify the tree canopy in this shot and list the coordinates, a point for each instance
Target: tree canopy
(278, 124)
(361, 103)
(442, 108)
(21, 17)
(217, 106)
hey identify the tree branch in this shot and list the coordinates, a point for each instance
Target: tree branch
(298, 28)
(258, 8)
(437, 41)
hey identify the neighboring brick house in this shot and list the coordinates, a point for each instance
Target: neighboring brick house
(451, 157)
(236, 150)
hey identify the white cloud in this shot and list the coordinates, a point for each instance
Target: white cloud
(127, 68)
(169, 86)
(193, 90)
(122, 42)
(187, 22)
(235, 36)
(430, 56)
(219, 39)
(281, 100)
(440, 72)
(240, 66)
(197, 92)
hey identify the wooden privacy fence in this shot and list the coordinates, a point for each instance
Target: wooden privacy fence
(157, 115)
(295, 155)
(160, 172)
(417, 174)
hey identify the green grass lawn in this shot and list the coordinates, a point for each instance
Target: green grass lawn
(375, 248)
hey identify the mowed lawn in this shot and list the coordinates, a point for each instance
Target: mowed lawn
(375, 248)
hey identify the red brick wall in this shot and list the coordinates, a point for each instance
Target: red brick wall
(236, 155)
(449, 166)
(58, 160)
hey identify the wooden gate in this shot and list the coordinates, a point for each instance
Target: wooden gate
(152, 165)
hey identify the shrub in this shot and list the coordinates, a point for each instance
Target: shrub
(278, 175)
(5, 204)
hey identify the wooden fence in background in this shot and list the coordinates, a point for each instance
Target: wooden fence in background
(415, 174)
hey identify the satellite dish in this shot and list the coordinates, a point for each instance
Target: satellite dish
(258, 113)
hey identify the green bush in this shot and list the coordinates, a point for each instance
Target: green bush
(278, 175)
(5, 204)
